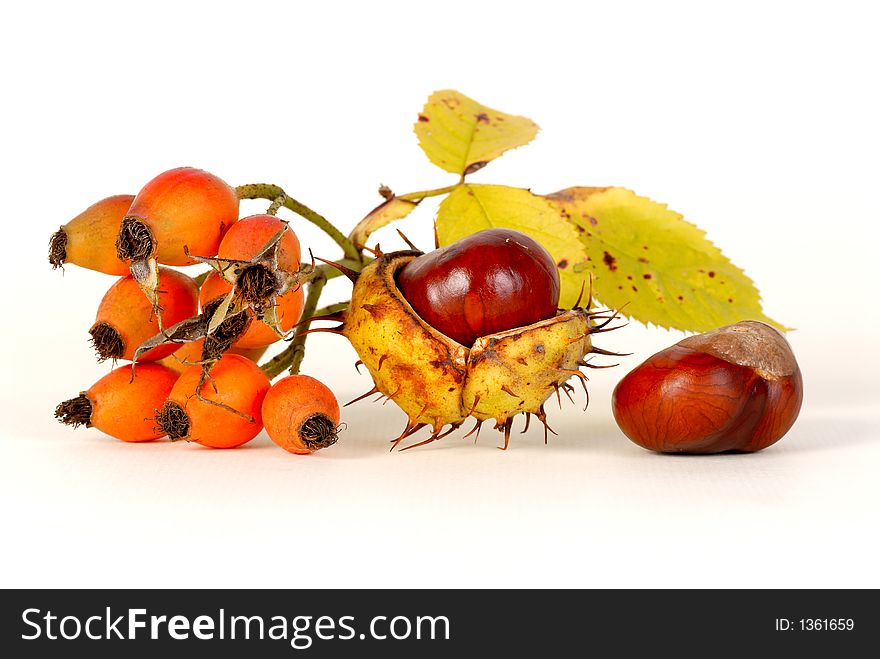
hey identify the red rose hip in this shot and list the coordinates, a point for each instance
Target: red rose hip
(736, 388)
(491, 281)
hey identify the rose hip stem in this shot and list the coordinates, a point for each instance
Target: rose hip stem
(278, 197)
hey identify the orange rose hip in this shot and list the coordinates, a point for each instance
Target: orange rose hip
(125, 317)
(301, 414)
(122, 404)
(247, 237)
(183, 207)
(89, 239)
(228, 415)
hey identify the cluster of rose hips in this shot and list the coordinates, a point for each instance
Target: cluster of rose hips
(192, 343)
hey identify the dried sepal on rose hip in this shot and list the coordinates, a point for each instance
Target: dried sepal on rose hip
(259, 262)
(218, 407)
(473, 288)
(736, 388)
(213, 340)
(192, 352)
(251, 235)
(229, 319)
(287, 308)
(301, 414)
(122, 403)
(89, 239)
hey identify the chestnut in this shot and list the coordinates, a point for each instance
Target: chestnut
(736, 388)
(491, 281)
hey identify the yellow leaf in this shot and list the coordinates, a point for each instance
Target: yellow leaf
(461, 136)
(387, 212)
(471, 208)
(663, 268)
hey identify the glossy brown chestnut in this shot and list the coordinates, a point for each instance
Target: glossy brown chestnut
(491, 281)
(736, 388)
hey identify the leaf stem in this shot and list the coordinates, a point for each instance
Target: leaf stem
(274, 194)
(424, 194)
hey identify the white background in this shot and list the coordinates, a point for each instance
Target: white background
(758, 122)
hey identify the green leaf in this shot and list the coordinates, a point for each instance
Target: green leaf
(471, 208)
(387, 212)
(663, 268)
(461, 136)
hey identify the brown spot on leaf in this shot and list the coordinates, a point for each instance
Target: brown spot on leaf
(642, 259)
(423, 118)
(630, 277)
(711, 274)
(644, 247)
(647, 275)
(563, 264)
(610, 261)
(635, 290)
(730, 299)
(680, 298)
(483, 118)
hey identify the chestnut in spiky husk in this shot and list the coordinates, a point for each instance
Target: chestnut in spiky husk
(439, 381)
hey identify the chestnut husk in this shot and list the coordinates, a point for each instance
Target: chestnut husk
(437, 381)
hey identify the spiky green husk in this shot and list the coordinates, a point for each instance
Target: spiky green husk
(439, 382)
